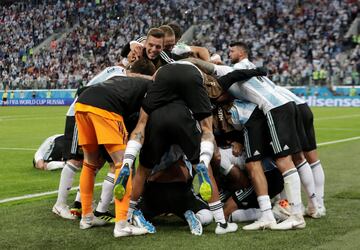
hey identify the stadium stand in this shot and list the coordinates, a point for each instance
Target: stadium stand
(293, 38)
(299, 41)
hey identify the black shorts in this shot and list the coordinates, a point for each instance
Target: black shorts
(179, 82)
(282, 127)
(246, 198)
(57, 150)
(256, 137)
(4, 99)
(308, 124)
(175, 197)
(303, 141)
(72, 151)
(168, 125)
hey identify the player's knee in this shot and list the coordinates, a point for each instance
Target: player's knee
(254, 168)
(205, 216)
(298, 158)
(75, 163)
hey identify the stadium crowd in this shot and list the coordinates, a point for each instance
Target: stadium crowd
(299, 41)
(97, 33)
(295, 39)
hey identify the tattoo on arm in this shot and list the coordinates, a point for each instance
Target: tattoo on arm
(138, 136)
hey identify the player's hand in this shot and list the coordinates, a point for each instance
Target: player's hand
(138, 50)
(262, 71)
(237, 148)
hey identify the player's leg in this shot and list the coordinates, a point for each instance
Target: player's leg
(91, 165)
(258, 179)
(236, 214)
(102, 209)
(319, 178)
(113, 135)
(256, 140)
(307, 180)
(76, 207)
(88, 140)
(65, 184)
(303, 167)
(122, 207)
(312, 157)
(142, 173)
(282, 127)
(206, 153)
(73, 164)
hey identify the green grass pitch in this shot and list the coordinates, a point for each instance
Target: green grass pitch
(30, 224)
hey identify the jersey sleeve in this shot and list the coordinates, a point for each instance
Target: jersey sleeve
(45, 149)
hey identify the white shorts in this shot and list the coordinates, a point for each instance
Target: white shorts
(228, 161)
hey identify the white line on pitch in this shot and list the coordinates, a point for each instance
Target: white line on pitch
(336, 117)
(32, 118)
(339, 141)
(339, 129)
(29, 196)
(15, 116)
(20, 149)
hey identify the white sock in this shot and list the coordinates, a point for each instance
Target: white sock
(106, 193)
(53, 165)
(265, 207)
(78, 197)
(132, 150)
(319, 179)
(205, 216)
(217, 210)
(206, 152)
(283, 195)
(243, 215)
(293, 190)
(307, 180)
(66, 181)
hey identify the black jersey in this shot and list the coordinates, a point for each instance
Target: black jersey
(179, 82)
(121, 95)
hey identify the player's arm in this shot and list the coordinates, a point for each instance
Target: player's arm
(136, 141)
(207, 67)
(208, 144)
(201, 53)
(129, 74)
(138, 134)
(237, 148)
(41, 152)
(240, 76)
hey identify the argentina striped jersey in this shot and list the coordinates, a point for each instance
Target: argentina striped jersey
(258, 90)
